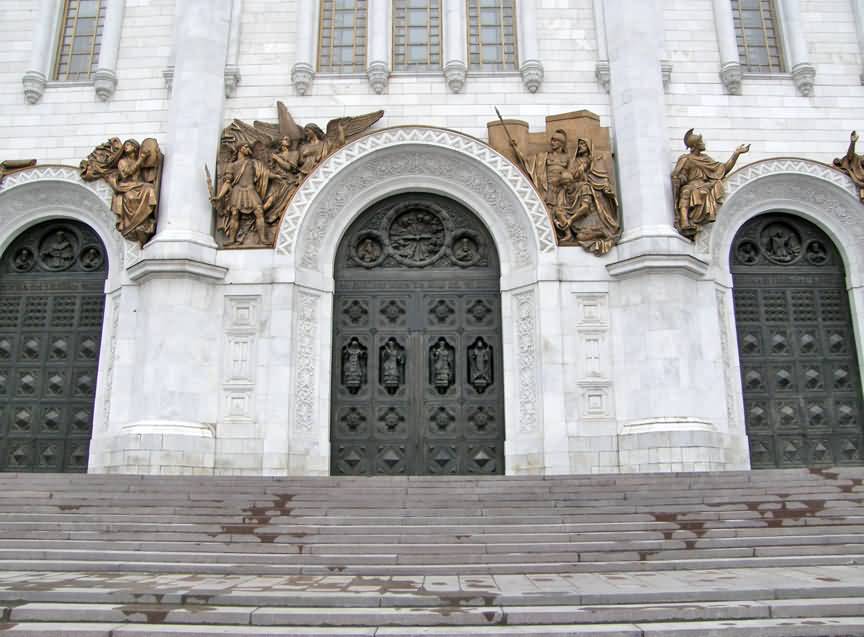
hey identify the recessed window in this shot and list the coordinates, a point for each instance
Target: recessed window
(757, 35)
(416, 35)
(342, 36)
(80, 39)
(491, 35)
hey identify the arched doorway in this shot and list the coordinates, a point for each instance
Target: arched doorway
(417, 357)
(52, 300)
(799, 369)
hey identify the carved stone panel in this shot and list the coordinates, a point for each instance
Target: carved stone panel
(799, 373)
(428, 399)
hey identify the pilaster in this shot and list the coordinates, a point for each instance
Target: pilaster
(378, 70)
(664, 321)
(455, 54)
(35, 79)
(105, 76)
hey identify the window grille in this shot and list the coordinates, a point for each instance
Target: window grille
(80, 39)
(757, 36)
(416, 35)
(342, 36)
(491, 35)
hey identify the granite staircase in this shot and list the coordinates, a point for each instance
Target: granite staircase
(763, 553)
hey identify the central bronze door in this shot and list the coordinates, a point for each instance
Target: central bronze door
(417, 372)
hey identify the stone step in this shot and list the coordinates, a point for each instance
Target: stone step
(825, 627)
(264, 542)
(382, 567)
(430, 616)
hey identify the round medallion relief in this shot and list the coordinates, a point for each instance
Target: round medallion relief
(58, 249)
(416, 237)
(781, 243)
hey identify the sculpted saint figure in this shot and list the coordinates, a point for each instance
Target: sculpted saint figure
(587, 211)
(579, 195)
(853, 165)
(354, 365)
(133, 171)
(697, 184)
(392, 361)
(442, 366)
(244, 191)
(281, 156)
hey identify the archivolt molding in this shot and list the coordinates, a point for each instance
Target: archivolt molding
(811, 189)
(787, 165)
(490, 190)
(25, 194)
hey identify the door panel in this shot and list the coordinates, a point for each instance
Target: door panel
(799, 371)
(51, 307)
(417, 343)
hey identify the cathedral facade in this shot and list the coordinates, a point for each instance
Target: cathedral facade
(242, 237)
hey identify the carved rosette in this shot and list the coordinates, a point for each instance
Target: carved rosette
(133, 171)
(417, 235)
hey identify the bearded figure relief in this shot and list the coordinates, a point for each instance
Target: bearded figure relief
(574, 184)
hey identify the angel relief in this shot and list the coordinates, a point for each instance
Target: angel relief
(261, 166)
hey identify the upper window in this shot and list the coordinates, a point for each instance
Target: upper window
(757, 35)
(416, 35)
(342, 36)
(80, 39)
(491, 35)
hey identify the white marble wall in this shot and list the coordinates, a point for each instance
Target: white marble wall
(219, 361)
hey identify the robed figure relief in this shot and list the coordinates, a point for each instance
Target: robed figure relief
(133, 171)
(578, 193)
(391, 365)
(261, 166)
(354, 365)
(697, 185)
(853, 164)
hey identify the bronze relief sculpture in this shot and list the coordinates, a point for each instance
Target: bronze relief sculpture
(570, 166)
(9, 166)
(697, 185)
(853, 165)
(260, 167)
(133, 171)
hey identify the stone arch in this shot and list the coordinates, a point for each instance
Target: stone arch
(437, 161)
(401, 159)
(809, 189)
(56, 192)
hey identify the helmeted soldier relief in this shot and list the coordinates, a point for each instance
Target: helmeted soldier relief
(697, 185)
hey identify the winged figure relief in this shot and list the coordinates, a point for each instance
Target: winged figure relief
(260, 167)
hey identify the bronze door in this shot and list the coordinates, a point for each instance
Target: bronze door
(52, 300)
(417, 383)
(799, 366)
